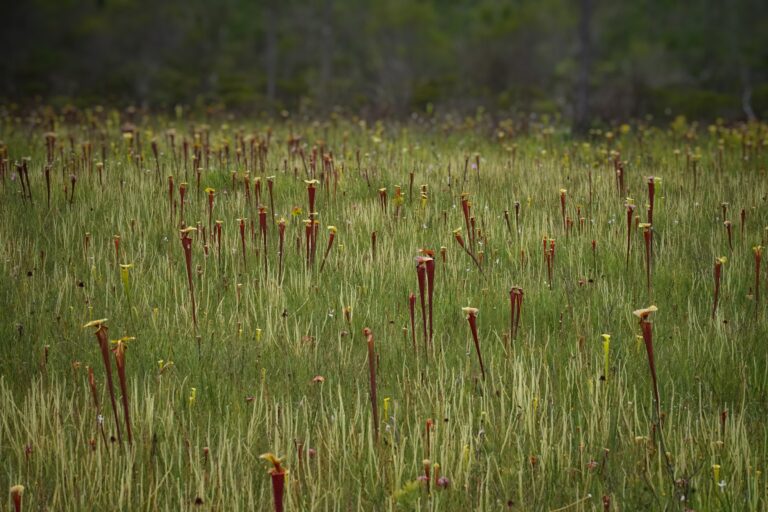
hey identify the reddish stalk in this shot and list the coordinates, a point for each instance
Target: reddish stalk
(156, 154)
(247, 188)
(242, 240)
(218, 238)
(465, 208)
(372, 378)
(281, 245)
(73, 180)
(647, 236)
(651, 196)
(412, 311)
(277, 473)
(647, 329)
(17, 492)
(25, 168)
(170, 195)
(729, 232)
(270, 184)
(182, 196)
(427, 434)
(430, 286)
(119, 350)
(421, 274)
(472, 319)
(473, 236)
(383, 199)
(210, 193)
(263, 230)
(460, 240)
(718, 269)
(331, 237)
(101, 337)
(311, 191)
(48, 184)
(516, 304)
(186, 244)
(20, 172)
(549, 256)
(630, 214)
(315, 229)
(257, 189)
(427, 478)
(758, 251)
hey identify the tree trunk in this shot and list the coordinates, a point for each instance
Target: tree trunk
(270, 53)
(326, 51)
(746, 94)
(581, 112)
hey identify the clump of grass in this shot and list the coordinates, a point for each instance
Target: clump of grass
(95, 396)
(281, 369)
(412, 314)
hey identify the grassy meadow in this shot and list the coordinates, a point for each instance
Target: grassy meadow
(304, 340)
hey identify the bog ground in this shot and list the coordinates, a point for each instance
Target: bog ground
(431, 315)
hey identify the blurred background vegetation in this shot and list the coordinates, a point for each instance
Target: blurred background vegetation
(584, 59)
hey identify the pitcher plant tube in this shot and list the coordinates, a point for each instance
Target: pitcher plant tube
(471, 315)
(186, 244)
(372, 380)
(101, 337)
(331, 236)
(717, 274)
(119, 350)
(277, 474)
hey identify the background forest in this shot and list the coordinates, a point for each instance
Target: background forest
(583, 58)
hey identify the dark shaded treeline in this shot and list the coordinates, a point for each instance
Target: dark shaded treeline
(585, 59)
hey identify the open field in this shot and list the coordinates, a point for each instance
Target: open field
(242, 348)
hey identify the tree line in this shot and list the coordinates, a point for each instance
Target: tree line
(585, 59)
